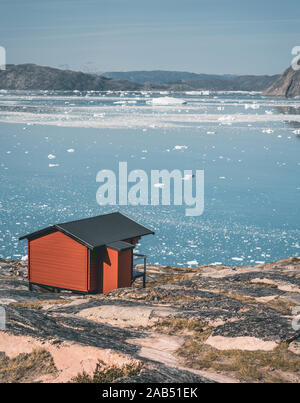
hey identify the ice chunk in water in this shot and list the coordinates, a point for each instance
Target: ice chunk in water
(168, 101)
(180, 147)
(192, 262)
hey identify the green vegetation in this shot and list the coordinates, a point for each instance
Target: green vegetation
(39, 304)
(165, 296)
(167, 278)
(281, 305)
(279, 365)
(103, 374)
(180, 325)
(26, 367)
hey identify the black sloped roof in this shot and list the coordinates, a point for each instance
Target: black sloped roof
(120, 245)
(97, 231)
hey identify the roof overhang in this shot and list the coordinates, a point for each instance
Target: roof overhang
(113, 239)
(119, 246)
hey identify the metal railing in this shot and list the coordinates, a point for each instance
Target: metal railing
(136, 274)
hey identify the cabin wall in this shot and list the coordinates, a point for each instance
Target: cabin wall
(96, 271)
(110, 270)
(58, 261)
(116, 270)
(125, 268)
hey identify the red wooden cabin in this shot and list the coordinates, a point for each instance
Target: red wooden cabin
(93, 255)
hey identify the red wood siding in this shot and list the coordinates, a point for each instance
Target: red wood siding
(110, 270)
(124, 271)
(59, 261)
(116, 270)
(95, 271)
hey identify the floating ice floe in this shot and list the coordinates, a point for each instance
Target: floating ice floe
(180, 147)
(227, 118)
(252, 106)
(192, 262)
(197, 92)
(167, 101)
(268, 131)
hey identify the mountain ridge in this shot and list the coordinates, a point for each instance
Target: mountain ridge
(34, 77)
(287, 85)
(185, 81)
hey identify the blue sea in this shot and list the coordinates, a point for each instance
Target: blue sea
(54, 143)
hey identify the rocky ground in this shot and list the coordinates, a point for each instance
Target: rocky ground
(203, 324)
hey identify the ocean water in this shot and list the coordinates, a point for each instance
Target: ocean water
(54, 143)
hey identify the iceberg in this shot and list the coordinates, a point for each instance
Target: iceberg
(167, 101)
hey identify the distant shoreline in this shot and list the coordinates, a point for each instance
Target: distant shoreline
(34, 77)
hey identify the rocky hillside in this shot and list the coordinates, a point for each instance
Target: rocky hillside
(287, 85)
(206, 324)
(33, 77)
(162, 76)
(184, 81)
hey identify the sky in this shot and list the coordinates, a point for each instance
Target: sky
(202, 36)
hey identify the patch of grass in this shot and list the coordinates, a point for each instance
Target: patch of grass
(181, 269)
(39, 304)
(295, 259)
(281, 305)
(278, 304)
(259, 284)
(26, 367)
(167, 278)
(242, 298)
(256, 366)
(165, 296)
(180, 325)
(104, 374)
